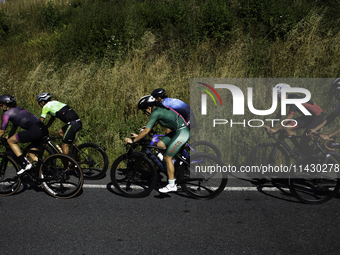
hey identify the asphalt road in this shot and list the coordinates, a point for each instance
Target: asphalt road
(242, 220)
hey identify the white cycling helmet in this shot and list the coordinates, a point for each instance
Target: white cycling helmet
(280, 86)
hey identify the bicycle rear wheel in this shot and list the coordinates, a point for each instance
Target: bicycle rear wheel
(92, 159)
(204, 178)
(9, 180)
(62, 176)
(133, 175)
(317, 185)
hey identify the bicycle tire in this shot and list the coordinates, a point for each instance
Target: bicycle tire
(92, 159)
(260, 156)
(202, 185)
(63, 177)
(132, 182)
(206, 147)
(314, 187)
(9, 180)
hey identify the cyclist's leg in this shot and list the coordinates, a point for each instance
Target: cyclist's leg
(68, 132)
(13, 143)
(64, 146)
(307, 122)
(34, 133)
(310, 124)
(178, 139)
(299, 123)
(168, 159)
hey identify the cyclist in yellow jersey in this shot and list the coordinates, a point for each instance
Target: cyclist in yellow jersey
(65, 114)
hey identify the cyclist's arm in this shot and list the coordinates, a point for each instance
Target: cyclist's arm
(12, 132)
(290, 116)
(140, 136)
(334, 133)
(152, 122)
(329, 119)
(49, 122)
(321, 125)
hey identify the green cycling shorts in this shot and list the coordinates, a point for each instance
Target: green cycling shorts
(175, 140)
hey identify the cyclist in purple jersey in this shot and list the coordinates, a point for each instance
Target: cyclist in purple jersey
(308, 122)
(178, 105)
(34, 129)
(330, 118)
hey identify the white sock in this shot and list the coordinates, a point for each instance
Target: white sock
(172, 182)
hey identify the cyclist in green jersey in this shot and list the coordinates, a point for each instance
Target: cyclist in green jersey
(172, 141)
(65, 114)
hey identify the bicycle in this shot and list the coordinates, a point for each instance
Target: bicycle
(92, 159)
(59, 174)
(315, 178)
(136, 173)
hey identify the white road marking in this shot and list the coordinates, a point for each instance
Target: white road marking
(99, 186)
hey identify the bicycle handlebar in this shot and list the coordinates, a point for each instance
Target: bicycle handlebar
(316, 137)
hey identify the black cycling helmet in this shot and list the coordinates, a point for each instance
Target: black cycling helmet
(159, 93)
(336, 84)
(145, 102)
(7, 100)
(45, 96)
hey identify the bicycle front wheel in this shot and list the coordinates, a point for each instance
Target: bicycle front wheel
(206, 147)
(267, 154)
(61, 176)
(204, 177)
(314, 182)
(92, 159)
(133, 175)
(9, 180)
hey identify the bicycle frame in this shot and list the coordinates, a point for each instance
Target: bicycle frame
(146, 150)
(280, 141)
(38, 152)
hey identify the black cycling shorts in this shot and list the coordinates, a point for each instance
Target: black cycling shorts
(33, 134)
(67, 114)
(70, 131)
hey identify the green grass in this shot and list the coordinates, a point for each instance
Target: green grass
(103, 84)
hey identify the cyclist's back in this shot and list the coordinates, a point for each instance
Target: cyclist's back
(19, 117)
(166, 118)
(59, 110)
(178, 105)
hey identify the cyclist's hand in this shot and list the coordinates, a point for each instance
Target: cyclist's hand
(141, 129)
(133, 135)
(267, 129)
(312, 131)
(323, 138)
(128, 140)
